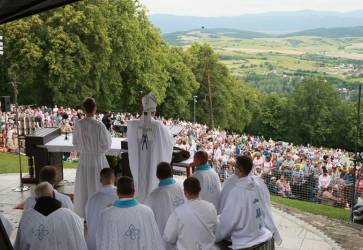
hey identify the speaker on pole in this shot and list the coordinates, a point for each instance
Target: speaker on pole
(5, 103)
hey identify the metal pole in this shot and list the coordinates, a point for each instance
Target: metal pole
(20, 188)
(195, 103)
(356, 150)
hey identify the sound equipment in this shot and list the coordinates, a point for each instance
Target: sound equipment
(5, 103)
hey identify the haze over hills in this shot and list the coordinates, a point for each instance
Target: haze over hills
(271, 22)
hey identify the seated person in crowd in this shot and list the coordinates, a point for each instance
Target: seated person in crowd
(128, 225)
(7, 225)
(328, 198)
(193, 224)
(98, 202)
(246, 218)
(324, 180)
(48, 174)
(283, 187)
(208, 178)
(165, 198)
(48, 225)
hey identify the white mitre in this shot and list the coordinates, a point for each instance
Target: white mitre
(149, 102)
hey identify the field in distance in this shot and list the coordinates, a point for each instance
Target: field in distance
(279, 63)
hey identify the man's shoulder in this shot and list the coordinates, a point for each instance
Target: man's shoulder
(61, 196)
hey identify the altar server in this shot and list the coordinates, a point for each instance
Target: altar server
(166, 197)
(227, 186)
(48, 174)
(128, 225)
(149, 143)
(98, 202)
(192, 225)
(7, 225)
(48, 226)
(208, 178)
(92, 140)
(246, 218)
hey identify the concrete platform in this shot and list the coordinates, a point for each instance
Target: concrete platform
(296, 234)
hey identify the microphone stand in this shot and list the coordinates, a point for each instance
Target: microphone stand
(21, 187)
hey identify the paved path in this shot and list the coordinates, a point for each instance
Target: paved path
(296, 234)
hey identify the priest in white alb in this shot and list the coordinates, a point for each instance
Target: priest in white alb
(48, 174)
(48, 225)
(7, 225)
(192, 225)
(149, 143)
(208, 178)
(98, 202)
(166, 197)
(92, 140)
(128, 225)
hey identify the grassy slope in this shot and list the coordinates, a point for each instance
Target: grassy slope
(9, 163)
(314, 208)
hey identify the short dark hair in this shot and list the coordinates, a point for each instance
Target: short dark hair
(89, 104)
(202, 155)
(192, 185)
(48, 174)
(107, 173)
(244, 163)
(164, 171)
(125, 186)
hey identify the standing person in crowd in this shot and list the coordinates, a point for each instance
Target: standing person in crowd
(92, 140)
(193, 224)
(166, 197)
(48, 174)
(208, 178)
(98, 202)
(247, 216)
(128, 225)
(48, 225)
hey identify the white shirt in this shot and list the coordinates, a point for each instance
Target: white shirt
(242, 218)
(228, 185)
(95, 205)
(129, 228)
(176, 233)
(210, 184)
(163, 200)
(64, 199)
(62, 229)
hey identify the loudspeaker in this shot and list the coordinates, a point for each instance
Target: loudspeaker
(5, 103)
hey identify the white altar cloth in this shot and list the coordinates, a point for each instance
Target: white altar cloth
(59, 144)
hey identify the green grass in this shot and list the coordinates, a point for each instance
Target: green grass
(314, 208)
(9, 163)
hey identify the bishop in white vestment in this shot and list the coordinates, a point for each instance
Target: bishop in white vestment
(92, 140)
(98, 202)
(208, 178)
(128, 225)
(192, 225)
(149, 143)
(165, 198)
(48, 225)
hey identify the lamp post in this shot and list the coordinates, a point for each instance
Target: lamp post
(194, 104)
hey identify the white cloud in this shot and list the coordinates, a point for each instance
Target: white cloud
(238, 7)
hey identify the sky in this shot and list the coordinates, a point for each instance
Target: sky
(239, 7)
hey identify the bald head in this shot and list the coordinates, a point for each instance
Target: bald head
(44, 189)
